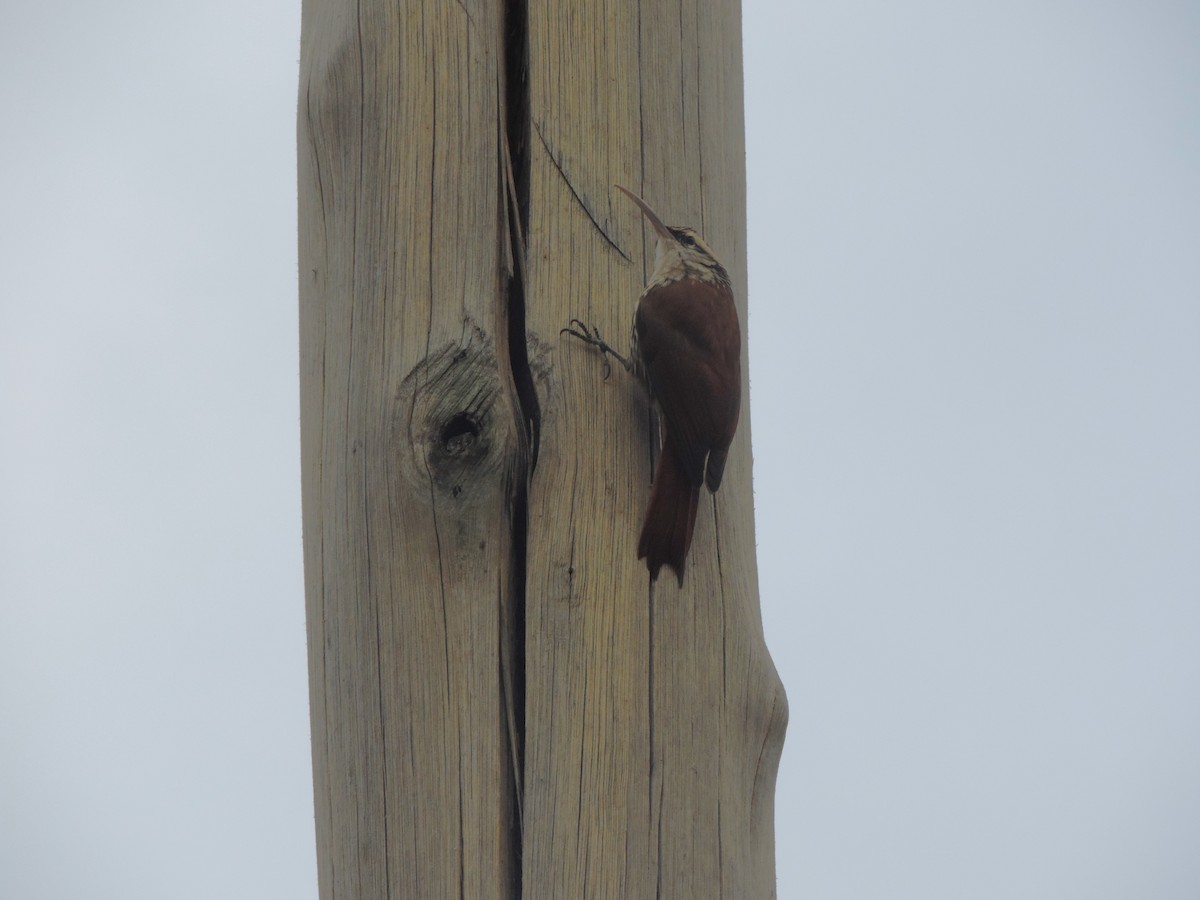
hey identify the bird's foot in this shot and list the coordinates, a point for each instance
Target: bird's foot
(590, 334)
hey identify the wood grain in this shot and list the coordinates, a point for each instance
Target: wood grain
(655, 717)
(408, 447)
(502, 703)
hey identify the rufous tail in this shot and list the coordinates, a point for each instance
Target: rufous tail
(670, 515)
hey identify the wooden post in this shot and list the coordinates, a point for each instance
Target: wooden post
(502, 704)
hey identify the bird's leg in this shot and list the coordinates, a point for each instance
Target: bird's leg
(590, 334)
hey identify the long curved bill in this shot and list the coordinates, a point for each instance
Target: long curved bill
(650, 214)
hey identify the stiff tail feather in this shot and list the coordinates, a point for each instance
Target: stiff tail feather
(670, 515)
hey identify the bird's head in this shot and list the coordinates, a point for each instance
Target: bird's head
(681, 252)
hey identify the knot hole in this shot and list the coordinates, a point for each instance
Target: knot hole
(460, 434)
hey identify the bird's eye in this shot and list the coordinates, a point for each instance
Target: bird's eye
(689, 241)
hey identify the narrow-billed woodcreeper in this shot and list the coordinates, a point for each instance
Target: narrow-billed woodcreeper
(686, 349)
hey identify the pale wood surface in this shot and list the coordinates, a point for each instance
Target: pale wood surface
(653, 718)
(407, 539)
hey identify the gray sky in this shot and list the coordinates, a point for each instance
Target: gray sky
(975, 354)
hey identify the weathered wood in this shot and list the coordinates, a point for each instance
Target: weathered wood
(654, 718)
(501, 703)
(409, 446)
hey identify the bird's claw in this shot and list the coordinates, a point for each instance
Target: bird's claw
(590, 334)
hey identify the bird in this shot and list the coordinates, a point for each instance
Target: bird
(686, 350)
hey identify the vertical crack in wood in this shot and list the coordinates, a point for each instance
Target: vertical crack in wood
(514, 139)
(516, 122)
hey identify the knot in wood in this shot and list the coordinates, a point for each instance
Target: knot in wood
(460, 448)
(447, 411)
(460, 434)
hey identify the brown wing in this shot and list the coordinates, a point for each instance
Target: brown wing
(690, 347)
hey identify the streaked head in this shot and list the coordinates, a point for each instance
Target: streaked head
(681, 251)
